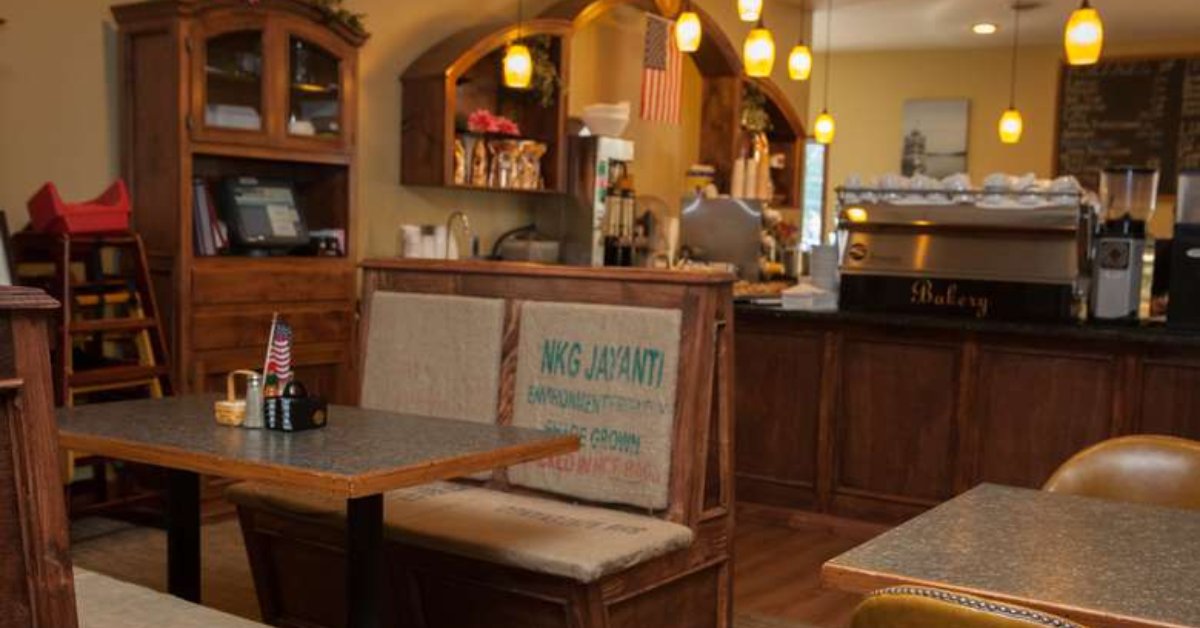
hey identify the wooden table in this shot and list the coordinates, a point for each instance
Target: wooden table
(359, 455)
(1101, 563)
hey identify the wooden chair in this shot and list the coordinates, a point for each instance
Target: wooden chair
(925, 607)
(1144, 468)
(38, 587)
(526, 546)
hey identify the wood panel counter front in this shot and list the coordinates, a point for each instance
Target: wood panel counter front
(881, 417)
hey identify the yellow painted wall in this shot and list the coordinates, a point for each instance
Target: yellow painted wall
(868, 91)
(58, 109)
(606, 67)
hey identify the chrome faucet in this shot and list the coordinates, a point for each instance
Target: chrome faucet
(459, 217)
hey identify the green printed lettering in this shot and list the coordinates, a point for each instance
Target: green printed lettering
(573, 359)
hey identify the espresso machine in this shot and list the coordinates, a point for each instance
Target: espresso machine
(975, 256)
(1127, 199)
(1183, 309)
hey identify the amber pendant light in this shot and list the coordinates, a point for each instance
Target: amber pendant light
(824, 127)
(1012, 125)
(750, 10)
(518, 63)
(800, 61)
(688, 30)
(758, 53)
(1083, 37)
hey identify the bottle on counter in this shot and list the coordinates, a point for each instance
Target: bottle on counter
(625, 235)
(612, 217)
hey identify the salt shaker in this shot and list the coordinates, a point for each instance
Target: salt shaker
(254, 402)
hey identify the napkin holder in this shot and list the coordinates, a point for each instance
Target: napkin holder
(295, 411)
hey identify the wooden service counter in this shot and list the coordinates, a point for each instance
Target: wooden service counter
(880, 417)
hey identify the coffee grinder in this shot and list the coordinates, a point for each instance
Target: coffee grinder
(1127, 197)
(1183, 307)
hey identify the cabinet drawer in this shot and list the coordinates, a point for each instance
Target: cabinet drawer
(232, 330)
(290, 280)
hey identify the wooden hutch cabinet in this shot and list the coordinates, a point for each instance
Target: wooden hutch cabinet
(214, 89)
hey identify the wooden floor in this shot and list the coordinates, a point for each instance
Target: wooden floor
(777, 567)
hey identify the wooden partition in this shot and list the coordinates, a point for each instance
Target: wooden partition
(683, 588)
(36, 586)
(704, 299)
(882, 417)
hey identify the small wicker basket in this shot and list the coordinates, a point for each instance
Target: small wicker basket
(231, 411)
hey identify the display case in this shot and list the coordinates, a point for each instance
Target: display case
(265, 90)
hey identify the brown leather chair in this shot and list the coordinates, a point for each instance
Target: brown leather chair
(1146, 468)
(925, 607)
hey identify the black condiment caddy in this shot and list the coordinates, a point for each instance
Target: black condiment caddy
(295, 410)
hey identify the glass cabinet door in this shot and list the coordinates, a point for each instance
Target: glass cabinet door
(315, 90)
(233, 81)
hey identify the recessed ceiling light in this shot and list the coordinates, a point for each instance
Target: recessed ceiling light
(984, 28)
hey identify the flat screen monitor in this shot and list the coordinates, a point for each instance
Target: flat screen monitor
(262, 214)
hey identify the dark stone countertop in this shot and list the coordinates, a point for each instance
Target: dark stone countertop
(1146, 332)
(1052, 550)
(356, 443)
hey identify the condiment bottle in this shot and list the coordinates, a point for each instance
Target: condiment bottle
(625, 236)
(254, 402)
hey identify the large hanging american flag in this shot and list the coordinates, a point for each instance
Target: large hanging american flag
(277, 371)
(662, 72)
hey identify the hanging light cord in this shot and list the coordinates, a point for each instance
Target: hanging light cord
(803, 18)
(828, 52)
(520, 18)
(1012, 77)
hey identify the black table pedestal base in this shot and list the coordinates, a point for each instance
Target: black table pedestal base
(364, 561)
(183, 535)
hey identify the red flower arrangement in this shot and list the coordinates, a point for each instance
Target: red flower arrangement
(484, 121)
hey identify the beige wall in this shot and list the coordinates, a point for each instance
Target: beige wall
(868, 91)
(606, 67)
(58, 104)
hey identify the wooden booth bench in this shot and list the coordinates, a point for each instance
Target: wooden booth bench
(633, 530)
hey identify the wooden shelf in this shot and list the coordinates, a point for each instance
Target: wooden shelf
(465, 68)
(462, 74)
(216, 308)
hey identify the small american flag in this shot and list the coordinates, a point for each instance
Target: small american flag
(662, 72)
(277, 371)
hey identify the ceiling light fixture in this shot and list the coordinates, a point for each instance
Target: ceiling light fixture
(1012, 125)
(824, 127)
(800, 61)
(984, 28)
(688, 30)
(1083, 37)
(758, 53)
(518, 63)
(750, 10)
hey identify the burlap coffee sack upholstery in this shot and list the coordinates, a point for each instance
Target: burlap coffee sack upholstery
(104, 602)
(607, 374)
(541, 535)
(434, 355)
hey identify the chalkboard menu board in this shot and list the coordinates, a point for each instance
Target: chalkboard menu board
(1142, 112)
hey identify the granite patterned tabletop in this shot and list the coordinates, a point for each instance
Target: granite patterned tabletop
(1102, 563)
(359, 452)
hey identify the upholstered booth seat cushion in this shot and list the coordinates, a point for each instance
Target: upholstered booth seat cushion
(103, 602)
(542, 535)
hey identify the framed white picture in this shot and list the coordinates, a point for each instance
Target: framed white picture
(935, 137)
